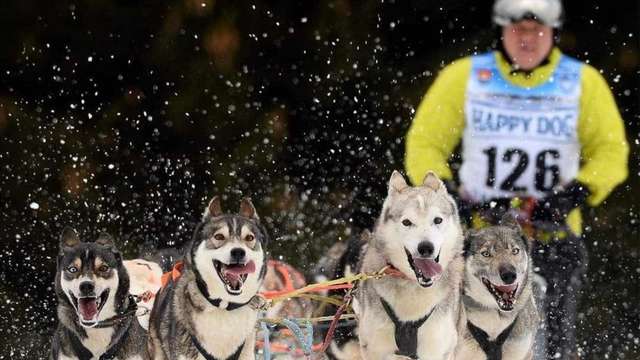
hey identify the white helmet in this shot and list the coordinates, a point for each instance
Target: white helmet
(548, 12)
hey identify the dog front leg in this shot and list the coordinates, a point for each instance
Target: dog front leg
(367, 353)
(248, 352)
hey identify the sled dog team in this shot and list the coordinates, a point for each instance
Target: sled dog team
(457, 296)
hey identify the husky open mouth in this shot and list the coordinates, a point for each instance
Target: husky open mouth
(234, 275)
(505, 295)
(426, 269)
(88, 307)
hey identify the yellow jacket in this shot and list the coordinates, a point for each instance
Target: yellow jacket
(439, 123)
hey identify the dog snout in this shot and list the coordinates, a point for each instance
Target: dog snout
(426, 249)
(508, 274)
(87, 288)
(237, 255)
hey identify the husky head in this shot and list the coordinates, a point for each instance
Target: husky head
(226, 253)
(90, 277)
(497, 264)
(419, 228)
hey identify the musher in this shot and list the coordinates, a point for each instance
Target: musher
(537, 128)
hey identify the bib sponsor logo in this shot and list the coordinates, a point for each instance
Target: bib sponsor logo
(554, 125)
(484, 75)
(567, 82)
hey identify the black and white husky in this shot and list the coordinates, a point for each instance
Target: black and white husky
(95, 311)
(208, 312)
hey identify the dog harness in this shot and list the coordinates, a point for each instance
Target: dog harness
(168, 284)
(84, 354)
(406, 332)
(207, 356)
(493, 349)
(216, 302)
(175, 274)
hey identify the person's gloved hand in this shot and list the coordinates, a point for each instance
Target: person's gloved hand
(465, 207)
(557, 206)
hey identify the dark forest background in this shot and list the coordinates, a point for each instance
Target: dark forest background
(127, 116)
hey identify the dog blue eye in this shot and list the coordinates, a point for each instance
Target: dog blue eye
(72, 269)
(407, 222)
(437, 220)
(485, 253)
(515, 251)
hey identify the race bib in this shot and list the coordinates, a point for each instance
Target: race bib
(519, 141)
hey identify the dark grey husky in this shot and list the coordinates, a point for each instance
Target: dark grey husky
(500, 316)
(210, 311)
(95, 312)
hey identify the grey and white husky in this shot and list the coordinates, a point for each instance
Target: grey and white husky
(208, 312)
(500, 317)
(415, 316)
(95, 311)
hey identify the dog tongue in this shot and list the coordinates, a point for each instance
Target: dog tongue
(428, 267)
(88, 308)
(506, 288)
(233, 272)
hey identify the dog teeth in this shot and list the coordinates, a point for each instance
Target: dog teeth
(423, 281)
(233, 284)
(506, 300)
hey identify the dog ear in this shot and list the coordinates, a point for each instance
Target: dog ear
(433, 182)
(528, 242)
(468, 240)
(510, 220)
(105, 239)
(69, 238)
(247, 209)
(214, 208)
(397, 183)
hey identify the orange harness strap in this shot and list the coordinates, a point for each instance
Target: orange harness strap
(285, 275)
(392, 271)
(282, 268)
(173, 275)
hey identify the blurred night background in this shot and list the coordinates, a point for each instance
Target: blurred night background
(127, 116)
